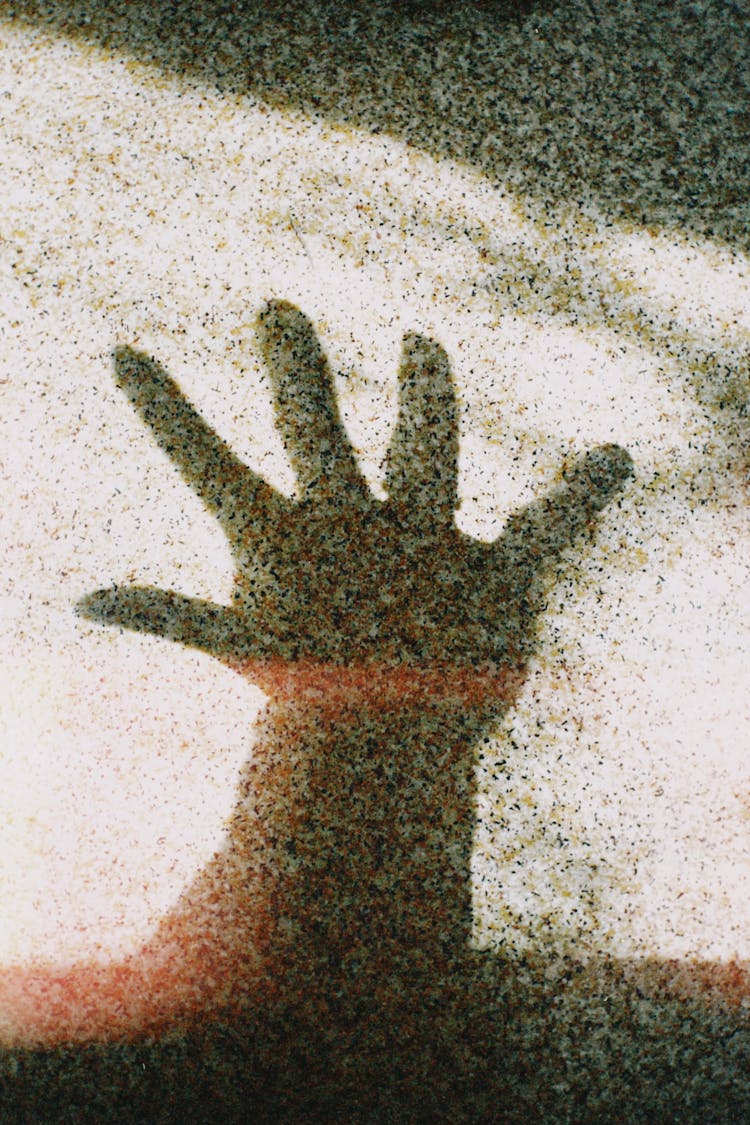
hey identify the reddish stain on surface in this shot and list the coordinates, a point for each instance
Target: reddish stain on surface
(336, 687)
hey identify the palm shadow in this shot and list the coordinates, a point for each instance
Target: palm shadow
(320, 967)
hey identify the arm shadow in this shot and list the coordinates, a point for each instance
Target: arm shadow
(320, 967)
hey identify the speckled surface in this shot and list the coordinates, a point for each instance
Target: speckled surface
(374, 704)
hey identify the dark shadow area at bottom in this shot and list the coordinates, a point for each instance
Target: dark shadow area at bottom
(612, 1042)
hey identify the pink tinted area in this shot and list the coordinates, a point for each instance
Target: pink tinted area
(378, 686)
(163, 986)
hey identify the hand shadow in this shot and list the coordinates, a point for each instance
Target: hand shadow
(339, 579)
(335, 922)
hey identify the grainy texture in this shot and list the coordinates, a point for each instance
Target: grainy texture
(374, 718)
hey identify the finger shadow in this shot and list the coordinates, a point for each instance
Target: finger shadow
(422, 462)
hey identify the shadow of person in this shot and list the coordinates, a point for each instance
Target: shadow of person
(329, 938)
(335, 921)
